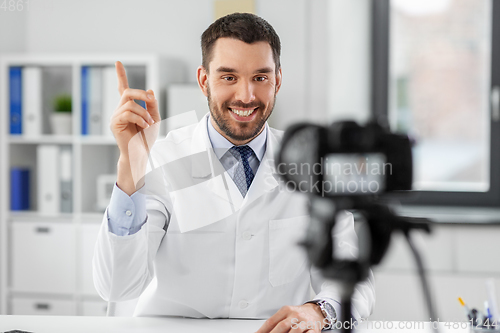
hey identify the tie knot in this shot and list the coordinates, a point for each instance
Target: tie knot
(241, 151)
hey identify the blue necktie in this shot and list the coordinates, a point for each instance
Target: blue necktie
(244, 175)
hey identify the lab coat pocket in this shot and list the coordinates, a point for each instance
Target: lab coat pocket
(287, 259)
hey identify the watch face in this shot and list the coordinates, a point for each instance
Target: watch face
(330, 310)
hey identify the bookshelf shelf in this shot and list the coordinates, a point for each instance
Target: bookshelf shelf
(42, 139)
(33, 216)
(31, 240)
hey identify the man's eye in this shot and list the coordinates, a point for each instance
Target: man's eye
(229, 78)
(260, 78)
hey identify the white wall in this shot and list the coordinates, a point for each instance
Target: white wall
(325, 59)
(348, 84)
(170, 28)
(289, 20)
(12, 31)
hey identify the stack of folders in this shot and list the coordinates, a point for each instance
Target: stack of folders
(55, 179)
(25, 92)
(100, 98)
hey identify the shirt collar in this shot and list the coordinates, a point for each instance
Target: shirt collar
(221, 145)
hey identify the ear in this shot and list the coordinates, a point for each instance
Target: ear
(278, 80)
(202, 77)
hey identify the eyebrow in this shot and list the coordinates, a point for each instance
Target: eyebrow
(264, 70)
(226, 70)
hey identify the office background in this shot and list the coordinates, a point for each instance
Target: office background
(328, 74)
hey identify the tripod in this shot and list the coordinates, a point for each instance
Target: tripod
(374, 240)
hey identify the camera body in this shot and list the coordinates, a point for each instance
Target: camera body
(345, 159)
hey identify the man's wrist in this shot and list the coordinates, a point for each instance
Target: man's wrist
(125, 179)
(317, 309)
(327, 311)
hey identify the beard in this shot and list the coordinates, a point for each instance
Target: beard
(239, 131)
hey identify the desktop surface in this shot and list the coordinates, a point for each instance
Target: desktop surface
(73, 324)
(65, 324)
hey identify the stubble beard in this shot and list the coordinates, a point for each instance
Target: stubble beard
(224, 123)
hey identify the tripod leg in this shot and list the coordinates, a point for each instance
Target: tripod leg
(345, 308)
(425, 286)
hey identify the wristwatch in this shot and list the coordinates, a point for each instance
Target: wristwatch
(328, 311)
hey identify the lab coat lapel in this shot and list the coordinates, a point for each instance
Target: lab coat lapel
(201, 143)
(209, 167)
(265, 179)
(207, 199)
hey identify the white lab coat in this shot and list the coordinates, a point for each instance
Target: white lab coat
(205, 251)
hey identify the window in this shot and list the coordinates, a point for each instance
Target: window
(434, 78)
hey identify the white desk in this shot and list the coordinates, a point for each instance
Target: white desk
(60, 324)
(69, 324)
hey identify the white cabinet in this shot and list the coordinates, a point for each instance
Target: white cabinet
(45, 259)
(437, 250)
(477, 249)
(94, 308)
(88, 239)
(43, 306)
(458, 261)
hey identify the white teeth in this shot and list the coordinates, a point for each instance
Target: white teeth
(242, 113)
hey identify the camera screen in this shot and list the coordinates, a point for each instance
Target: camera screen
(355, 174)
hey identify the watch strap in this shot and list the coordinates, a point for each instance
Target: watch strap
(330, 317)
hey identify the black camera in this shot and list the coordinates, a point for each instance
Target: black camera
(345, 159)
(350, 167)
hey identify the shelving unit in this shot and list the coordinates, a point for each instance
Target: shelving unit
(45, 263)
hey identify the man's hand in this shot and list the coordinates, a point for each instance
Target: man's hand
(305, 318)
(130, 118)
(135, 130)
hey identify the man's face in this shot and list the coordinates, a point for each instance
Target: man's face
(241, 88)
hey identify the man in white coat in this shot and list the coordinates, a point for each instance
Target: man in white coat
(201, 226)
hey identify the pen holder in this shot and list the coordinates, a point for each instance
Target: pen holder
(495, 328)
(476, 329)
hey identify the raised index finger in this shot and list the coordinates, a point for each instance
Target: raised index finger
(122, 77)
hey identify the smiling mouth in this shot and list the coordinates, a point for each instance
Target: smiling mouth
(242, 113)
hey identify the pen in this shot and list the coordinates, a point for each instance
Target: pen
(487, 310)
(492, 304)
(467, 311)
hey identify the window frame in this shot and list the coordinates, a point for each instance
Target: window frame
(380, 40)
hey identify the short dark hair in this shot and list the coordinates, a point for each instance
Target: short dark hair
(248, 28)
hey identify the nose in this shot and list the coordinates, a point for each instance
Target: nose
(245, 92)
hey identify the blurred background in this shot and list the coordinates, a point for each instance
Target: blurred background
(426, 68)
